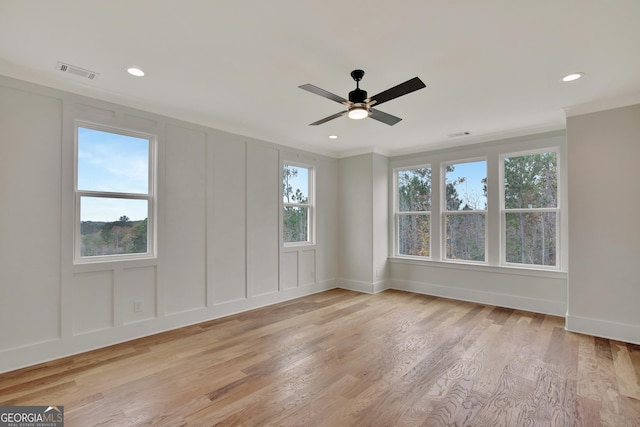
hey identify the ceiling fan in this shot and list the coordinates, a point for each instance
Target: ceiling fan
(359, 106)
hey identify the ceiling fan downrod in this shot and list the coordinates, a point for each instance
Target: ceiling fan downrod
(357, 96)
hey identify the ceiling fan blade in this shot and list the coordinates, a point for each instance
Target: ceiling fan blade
(383, 117)
(399, 90)
(323, 93)
(326, 119)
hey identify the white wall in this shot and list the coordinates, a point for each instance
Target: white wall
(326, 260)
(604, 233)
(218, 226)
(380, 225)
(183, 233)
(363, 214)
(355, 204)
(30, 204)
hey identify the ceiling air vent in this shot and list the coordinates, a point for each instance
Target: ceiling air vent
(77, 71)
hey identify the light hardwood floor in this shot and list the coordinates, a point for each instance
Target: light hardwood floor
(341, 358)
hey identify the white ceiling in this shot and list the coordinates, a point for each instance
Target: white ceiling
(491, 67)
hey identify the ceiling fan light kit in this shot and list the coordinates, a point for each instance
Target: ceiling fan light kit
(359, 106)
(358, 112)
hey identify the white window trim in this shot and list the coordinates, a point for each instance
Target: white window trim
(445, 212)
(397, 213)
(504, 211)
(150, 197)
(310, 205)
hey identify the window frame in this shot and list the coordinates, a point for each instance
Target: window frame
(491, 152)
(444, 212)
(397, 213)
(310, 205)
(150, 196)
(503, 210)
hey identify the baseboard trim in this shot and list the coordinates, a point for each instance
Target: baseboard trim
(380, 286)
(603, 329)
(355, 285)
(364, 287)
(536, 305)
(20, 357)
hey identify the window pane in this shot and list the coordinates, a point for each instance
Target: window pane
(531, 181)
(466, 186)
(111, 162)
(110, 226)
(295, 184)
(296, 221)
(531, 238)
(465, 236)
(413, 235)
(414, 189)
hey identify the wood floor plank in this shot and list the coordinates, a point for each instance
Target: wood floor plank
(625, 373)
(634, 354)
(341, 358)
(587, 412)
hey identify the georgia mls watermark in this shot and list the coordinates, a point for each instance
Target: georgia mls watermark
(31, 416)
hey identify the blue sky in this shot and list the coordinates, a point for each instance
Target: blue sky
(470, 191)
(115, 163)
(300, 181)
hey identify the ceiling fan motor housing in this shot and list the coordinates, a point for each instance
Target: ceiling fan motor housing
(358, 96)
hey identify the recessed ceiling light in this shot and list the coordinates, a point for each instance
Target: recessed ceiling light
(137, 72)
(333, 136)
(571, 77)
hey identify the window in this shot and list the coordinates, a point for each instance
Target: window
(413, 211)
(530, 208)
(465, 209)
(114, 193)
(495, 206)
(297, 199)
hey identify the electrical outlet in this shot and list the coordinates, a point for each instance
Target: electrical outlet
(137, 306)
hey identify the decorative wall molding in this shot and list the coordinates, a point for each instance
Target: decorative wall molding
(28, 355)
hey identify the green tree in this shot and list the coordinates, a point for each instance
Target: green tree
(531, 182)
(464, 233)
(288, 173)
(115, 237)
(106, 233)
(414, 195)
(139, 241)
(452, 198)
(295, 217)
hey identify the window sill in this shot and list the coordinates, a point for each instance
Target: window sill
(105, 263)
(295, 247)
(457, 265)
